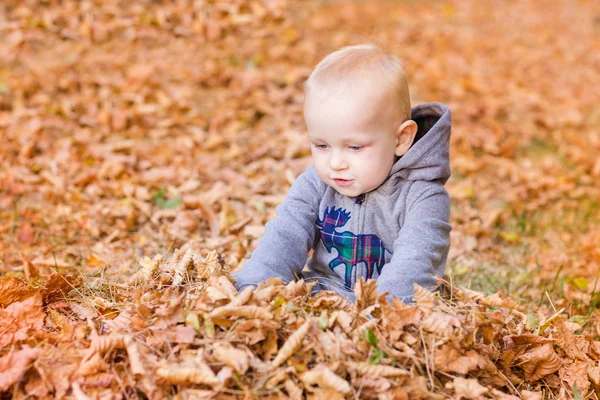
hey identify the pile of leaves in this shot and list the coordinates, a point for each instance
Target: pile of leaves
(179, 328)
(130, 128)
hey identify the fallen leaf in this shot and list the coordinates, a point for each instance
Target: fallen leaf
(14, 365)
(13, 290)
(325, 378)
(19, 318)
(467, 388)
(539, 362)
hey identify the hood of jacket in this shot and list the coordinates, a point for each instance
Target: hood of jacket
(428, 159)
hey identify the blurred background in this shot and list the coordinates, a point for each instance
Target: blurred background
(131, 128)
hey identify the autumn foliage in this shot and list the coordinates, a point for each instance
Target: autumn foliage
(144, 144)
(197, 336)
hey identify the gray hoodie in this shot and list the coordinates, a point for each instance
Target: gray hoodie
(397, 234)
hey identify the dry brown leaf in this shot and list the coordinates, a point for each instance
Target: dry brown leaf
(102, 344)
(13, 290)
(441, 324)
(82, 311)
(135, 359)
(292, 344)
(526, 338)
(215, 294)
(225, 375)
(59, 285)
(594, 375)
(366, 294)
(576, 348)
(498, 395)
(464, 294)
(576, 373)
(181, 267)
(343, 319)
(539, 362)
(324, 394)
(293, 390)
(78, 393)
(242, 298)
(234, 358)
(322, 376)
(449, 359)
(528, 395)
(210, 266)
(374, 385)
(149, 267)
(241, 311)
(92, 365)
(187, 375)
(18, 319)
(374, 370)
(497, 300)
(95, 146)
(467, 388)
(31, 272)
(267, 294)
(196, 394)
(14, 365)
(121, 323)
(369, 325)
(298, 288)
(278, 377)
(56, 370)
(226, 285)
(424, 298)
(397, 318)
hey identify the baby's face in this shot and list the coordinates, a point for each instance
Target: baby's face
(352, 144)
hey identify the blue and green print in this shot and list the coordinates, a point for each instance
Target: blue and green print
(352, 249)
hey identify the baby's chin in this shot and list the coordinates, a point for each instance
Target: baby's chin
(348, 191)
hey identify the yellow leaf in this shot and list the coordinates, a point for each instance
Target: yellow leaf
(510, 237)
(448, 11)
(95, 261)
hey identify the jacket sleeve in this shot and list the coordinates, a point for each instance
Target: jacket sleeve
(283, 250)
(421, 249)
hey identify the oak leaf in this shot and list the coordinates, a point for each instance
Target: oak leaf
(576, 373)
(539, 362)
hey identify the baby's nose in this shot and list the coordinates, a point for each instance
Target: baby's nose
(337, 161)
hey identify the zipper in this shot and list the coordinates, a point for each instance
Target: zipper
(358, 231)
(359, 200)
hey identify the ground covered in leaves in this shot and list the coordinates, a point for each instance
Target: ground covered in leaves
(145, 144)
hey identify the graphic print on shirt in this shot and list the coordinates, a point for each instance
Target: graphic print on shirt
(352, 249)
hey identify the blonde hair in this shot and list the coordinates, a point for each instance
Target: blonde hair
(366, 63)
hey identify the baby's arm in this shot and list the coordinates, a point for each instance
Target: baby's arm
(283, 250)
(421, 249)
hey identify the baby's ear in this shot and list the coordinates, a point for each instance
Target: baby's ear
(405, 136)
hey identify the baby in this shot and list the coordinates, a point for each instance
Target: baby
(373, 205)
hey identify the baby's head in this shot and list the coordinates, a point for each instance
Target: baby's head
(357, 112)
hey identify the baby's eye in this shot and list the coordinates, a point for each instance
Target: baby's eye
(354, 148)
(321, 146)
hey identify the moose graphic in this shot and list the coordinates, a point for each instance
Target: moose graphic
(352, 249)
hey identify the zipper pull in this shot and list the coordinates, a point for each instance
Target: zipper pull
(360, 199)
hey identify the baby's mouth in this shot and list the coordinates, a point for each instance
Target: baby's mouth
(343, 182)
